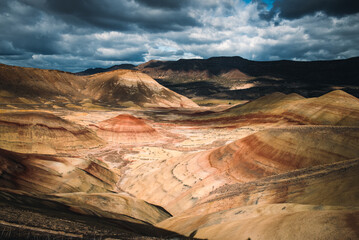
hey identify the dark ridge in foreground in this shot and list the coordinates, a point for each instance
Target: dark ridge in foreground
(28, 220)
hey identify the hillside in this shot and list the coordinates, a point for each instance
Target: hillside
(38, 88)
(133, 87)
(38, 84)
(334, 108)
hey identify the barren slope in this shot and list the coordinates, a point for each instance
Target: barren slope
(25, 217)
(133, 87)
(40, 84)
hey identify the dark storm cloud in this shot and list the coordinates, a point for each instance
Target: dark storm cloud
(6, 48)
(292, 9)
(172, 4)
(117, 15)
(23, 30)
(66, 28)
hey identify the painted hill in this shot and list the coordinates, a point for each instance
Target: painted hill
(180, 183)
(126, 128)
(292, 168)
(298, 176)
(125, 123)
(44, 133)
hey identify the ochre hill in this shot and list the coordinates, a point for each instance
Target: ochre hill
(43, 133)
(36, 83)
(133, 87)
(279, 150)
(125, 123)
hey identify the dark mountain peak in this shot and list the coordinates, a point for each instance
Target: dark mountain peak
(212, 66)
(226, 58)
(150, 64)
(91, 71)
(122, 66)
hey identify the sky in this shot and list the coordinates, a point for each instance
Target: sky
(73, 35)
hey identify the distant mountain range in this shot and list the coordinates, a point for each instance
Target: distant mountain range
(236, 77)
